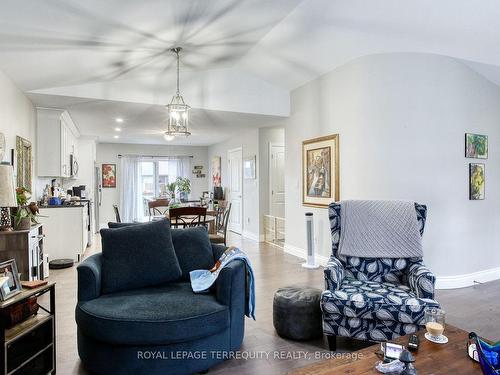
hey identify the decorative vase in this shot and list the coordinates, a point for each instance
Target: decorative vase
(23, 224)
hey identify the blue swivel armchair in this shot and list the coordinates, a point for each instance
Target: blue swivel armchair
(374, 299)
(161, 329)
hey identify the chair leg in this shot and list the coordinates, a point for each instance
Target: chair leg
(332, 342)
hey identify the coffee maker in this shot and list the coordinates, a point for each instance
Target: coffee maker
(79, 191)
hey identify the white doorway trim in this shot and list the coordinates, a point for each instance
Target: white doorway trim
(237, 228)
(270, 177)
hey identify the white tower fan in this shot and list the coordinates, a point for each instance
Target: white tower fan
(311, 261)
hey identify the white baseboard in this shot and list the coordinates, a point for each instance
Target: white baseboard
(252, 236)
(462, 281)
(302, 253)
(442, 282)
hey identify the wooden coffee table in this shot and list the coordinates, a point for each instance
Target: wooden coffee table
(436, 359)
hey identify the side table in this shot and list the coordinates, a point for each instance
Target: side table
(29, 347)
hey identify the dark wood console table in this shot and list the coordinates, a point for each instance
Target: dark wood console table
(29, 347)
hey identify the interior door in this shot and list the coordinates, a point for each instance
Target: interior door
(277, 180)
(235, 190)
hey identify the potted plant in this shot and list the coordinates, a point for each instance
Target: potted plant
(184, 187)
(171, 191)
(25, 213)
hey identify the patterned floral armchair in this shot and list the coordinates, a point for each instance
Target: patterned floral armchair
(374, 299)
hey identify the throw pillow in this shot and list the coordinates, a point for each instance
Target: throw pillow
(193, 249)
(137, 256)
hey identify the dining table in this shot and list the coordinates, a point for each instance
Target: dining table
(209, 220)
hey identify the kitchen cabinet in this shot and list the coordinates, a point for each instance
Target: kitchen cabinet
(66, 231)
(57, 141)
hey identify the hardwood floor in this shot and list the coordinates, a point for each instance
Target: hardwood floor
(472, 308)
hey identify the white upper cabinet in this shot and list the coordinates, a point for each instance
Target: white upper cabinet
(57, 140)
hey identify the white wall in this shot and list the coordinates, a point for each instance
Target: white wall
(108, 153)
(249, 142)
(17, 117)
(401, 120)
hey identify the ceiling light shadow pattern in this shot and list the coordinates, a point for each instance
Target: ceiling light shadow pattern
(145, 51)
(87, 15)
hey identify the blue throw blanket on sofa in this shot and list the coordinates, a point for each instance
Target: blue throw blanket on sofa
(201, 280)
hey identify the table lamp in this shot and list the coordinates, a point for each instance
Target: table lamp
(7, 195)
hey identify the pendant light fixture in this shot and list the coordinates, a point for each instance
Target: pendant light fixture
(178, 110)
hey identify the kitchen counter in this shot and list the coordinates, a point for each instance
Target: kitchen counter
(81, 203)
(65, 205)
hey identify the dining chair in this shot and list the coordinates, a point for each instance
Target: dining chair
(186, 217)
(117, 213)
(204, 199)
(158, 207)
(219, 215)
(221, 235)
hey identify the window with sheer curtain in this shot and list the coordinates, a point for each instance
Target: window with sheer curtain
(145, 179)
(156, 174)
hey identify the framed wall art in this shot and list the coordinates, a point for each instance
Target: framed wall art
(216, 172)
(249, 167)
(476, 146)
(320, 171)
(476, 181)
(109, 175)
(24, 162)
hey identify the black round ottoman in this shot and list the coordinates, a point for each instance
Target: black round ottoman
(296, 312)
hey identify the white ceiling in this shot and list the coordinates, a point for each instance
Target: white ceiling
(102, 59)
(143, 123)
(320, 35)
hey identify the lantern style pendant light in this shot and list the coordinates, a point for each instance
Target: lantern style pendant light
(178, 110)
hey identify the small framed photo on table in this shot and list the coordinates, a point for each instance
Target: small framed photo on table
(10, 284)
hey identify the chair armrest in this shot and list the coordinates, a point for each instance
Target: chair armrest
(421, 281)
(89, 278)
(230, 290)
(334, 274)
(218, 250)
(230, 286)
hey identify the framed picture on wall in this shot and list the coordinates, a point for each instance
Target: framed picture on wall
(216, 173)
(476, 181)
(24, 162)
(249, 167)
(109, 175)
(476, 146)
(320, 171)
